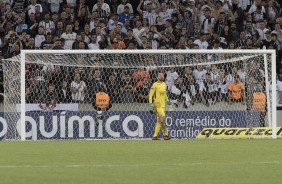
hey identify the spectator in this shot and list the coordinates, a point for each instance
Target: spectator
(121, 7)
(82, 45)
(267, 42)
(95, 82)
(19, 6)
(38, 13)
(31, 8)
(250, 44)
(277, 30)
(77, 41)
(117, 31)
(207, 20)
(78, 88)
(114, 45)
(127, 89)
(258, 15)
(47, 44)
(40, 37)
(76, 26)
(66, 20)
(190, 43)
(143, 91)
(251, 32)
(271, 14)
(222, 86)
(147, 13)
(199, 74)
(30, 44)
(241, 43)
(59, 30)
(57, 77)
(55, 5)
(64, 93)
(139, 76)
(191, 90)
(160, 24)
(177, 92)
(232, 74)
(257, 4)
(208, 91)
(256, 73)
(221, 23)
(202, 42)
(100, 36)
(171, 77)
(58, 45)
(121, 44)
(83, 12)
(234, 34)
(239, 17)
(94, 45)
(241, 72)
(47, 24)
(231, 45)
(195, 34)
(104, 6)
(165, 13)
(131, 45)
(113, 85)
(125, 15)
(20, 23)
(69, 37)
(50, 97)
(129, 37)
(277, 43)
(168, 36)
(154, 36)
(15, 49)
(101, 13)
(32, 91)
(8, 8)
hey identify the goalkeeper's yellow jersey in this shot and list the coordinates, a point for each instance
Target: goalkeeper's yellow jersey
(158, 93)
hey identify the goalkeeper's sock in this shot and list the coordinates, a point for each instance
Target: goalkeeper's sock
(164, 130)
(157, 129)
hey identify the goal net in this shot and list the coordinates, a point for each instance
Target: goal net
(50, 94)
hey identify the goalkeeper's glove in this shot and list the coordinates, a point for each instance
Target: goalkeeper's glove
(151, 108)
(170, 106)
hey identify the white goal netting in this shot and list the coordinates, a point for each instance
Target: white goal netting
(206, 90)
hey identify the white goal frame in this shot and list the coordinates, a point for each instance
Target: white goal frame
(265, 52)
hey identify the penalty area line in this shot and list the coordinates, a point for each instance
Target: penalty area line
(139, 165)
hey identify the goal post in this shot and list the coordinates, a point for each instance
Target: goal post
(127, 119)
(22, 110)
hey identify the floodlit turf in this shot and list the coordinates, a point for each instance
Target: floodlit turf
(146, 162)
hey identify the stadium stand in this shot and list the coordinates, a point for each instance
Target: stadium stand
(135, 24)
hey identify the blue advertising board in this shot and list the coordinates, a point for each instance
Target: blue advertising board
(121, 124)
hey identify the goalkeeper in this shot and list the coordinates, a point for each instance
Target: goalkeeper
(159, 96)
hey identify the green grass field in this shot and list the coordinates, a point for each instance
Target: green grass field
(146, 162)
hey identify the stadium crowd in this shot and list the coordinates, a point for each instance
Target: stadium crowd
(138, 24)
